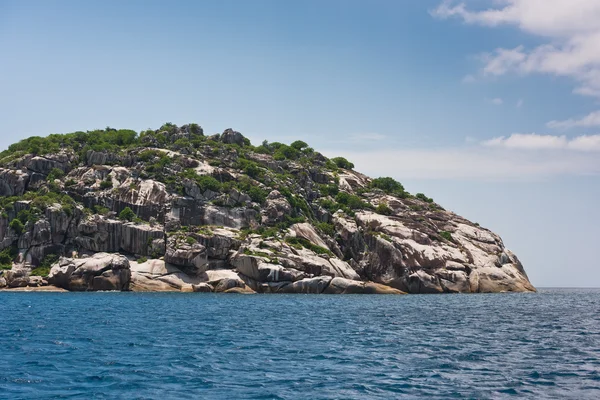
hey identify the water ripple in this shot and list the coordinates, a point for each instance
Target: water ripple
(189, 346)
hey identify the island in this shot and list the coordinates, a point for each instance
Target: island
(173, 209)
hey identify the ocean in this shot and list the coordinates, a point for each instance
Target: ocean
(215, 346)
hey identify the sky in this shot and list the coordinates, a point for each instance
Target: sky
(490, 107)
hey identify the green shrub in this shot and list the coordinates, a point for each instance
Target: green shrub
(106, 184)
(390, 186)
(196, 129)
(250, 168)
(7, 256)
(333, 207)
(329, 190)
(148, 155)
(257, 194)
(142, 260)
(27, 216)
(55, 173)
(299, 145)
(206, 182)
(298, 243)
(446, 235)
(341, 162)
(101, 210)
(182, 143)
(98, 140)
(285, 152)
(326, 228)
(352, 201)
(424, 198)
(384, 209)
(17, 226)
(44, 268)
(127, 214)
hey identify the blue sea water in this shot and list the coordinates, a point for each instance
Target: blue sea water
(205, 346)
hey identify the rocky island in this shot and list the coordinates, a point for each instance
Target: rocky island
(175, 210)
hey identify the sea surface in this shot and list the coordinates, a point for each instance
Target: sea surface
(206, 346)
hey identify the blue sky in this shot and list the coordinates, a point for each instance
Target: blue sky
(486, 106)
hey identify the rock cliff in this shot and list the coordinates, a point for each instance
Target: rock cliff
(175, 210)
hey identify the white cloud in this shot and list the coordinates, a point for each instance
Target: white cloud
(473, 163)
(590, 120)
(585, 143)
(572, 29)
(528, 141)
(532, 141)
(520, 103)
(552, 18)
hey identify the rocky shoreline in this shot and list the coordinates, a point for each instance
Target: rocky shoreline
(174, 210)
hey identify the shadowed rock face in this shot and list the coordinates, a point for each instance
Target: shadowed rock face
(173, 210)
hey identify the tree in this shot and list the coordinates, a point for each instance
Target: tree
(421, 196)
(299, 145)
(55, 173)
(341, 162)
(17, 226)
(127, 214)
(389, 185)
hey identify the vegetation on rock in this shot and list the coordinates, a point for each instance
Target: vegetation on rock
(211, 200)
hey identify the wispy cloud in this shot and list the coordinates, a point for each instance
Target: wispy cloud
(528, 141)
(477, 163)
(590, 120)
(571, 28)
(532, 141)
(469, 79)
(520, 103)
(369, 136)
(495, 101)
(515, 157)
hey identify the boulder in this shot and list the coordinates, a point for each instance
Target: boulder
(13, 182)
(44, 165)
(159, 276)
(202, 288)
(17, 277)
(223, 280)
(99, 234)
(307, 232)
(102, 271)
(219, 243)
(189, 255)
(422, 282)
(314, 285)
(138, 238)
(276, 209)
(348, 286)
(262, 271)
(504, 279)
(230, 136)
(228, 283)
